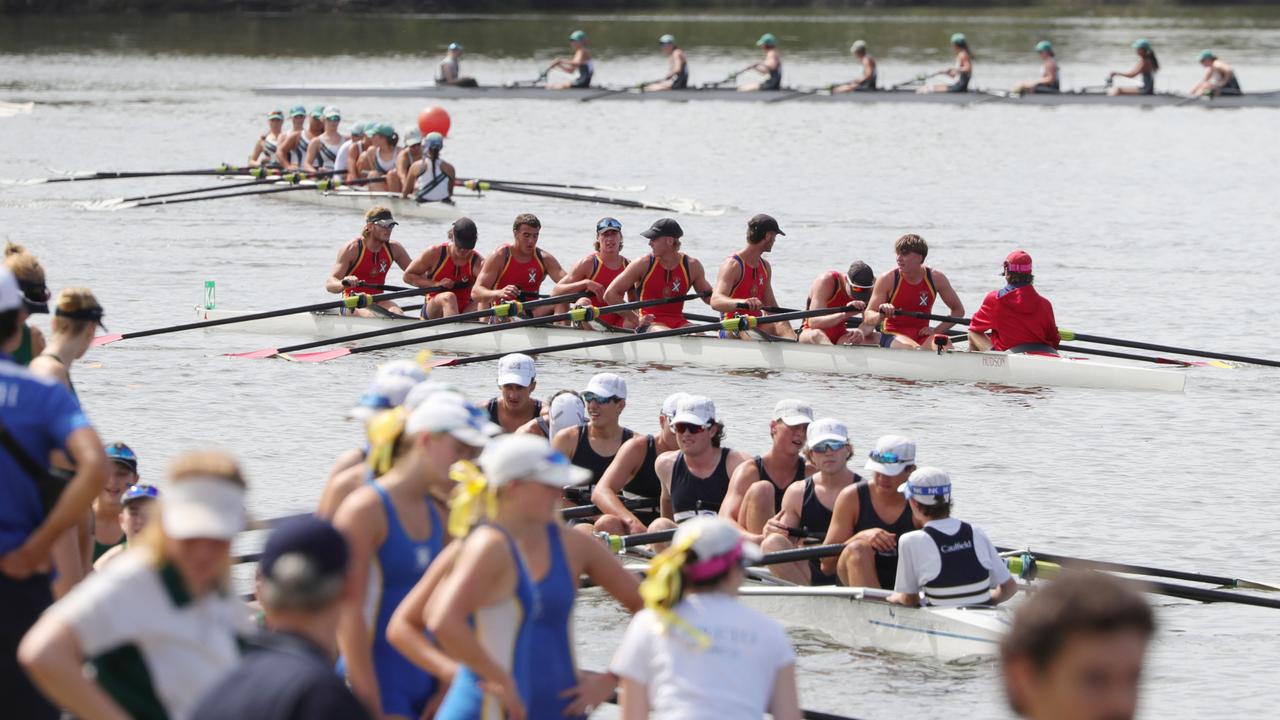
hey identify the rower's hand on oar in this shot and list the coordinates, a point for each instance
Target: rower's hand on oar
(592, 689)
(776, 526)
(855, 306)
(753, 304)
(878, 538)
(510, 293)
(644, 323)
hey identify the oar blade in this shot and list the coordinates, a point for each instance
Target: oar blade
(318, 357)
(256, 354)
(1255, 585)
(444, 362)
(106, 339)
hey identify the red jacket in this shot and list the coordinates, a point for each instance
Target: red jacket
(1016, 316)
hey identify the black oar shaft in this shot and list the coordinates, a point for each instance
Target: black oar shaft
(804, 553)
(499, 187)
(586, 511)
(247, 193)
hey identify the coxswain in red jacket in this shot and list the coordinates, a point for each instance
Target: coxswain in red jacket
(1015, 318)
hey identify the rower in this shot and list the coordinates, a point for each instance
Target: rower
(865, 82)
(1219, 77)
(858, 519)
(379, 159)
(1048, 80)
(807, 506)
(35, 299)
(594, 446)
(664, 272)
(756, 487)
(851, 289)
(453, 265)
(912, 285)
(412, 153)
(1148, 65)
(951, 561)
(264, 151)
(1015, 318)
(137, 506)
(565, 409)
(364, 262)
(596, 271)
(322, 152)
(430, 179)
(107, 532)
(695, 478)
(744, 285)
(293, 150)
(581, 63)
(632, 474)
(515, 271)
(347, 166)
(514, 406)
(449, 71)
(770, 67)
(678, 74)
(960, 73)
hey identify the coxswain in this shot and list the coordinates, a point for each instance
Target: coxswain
(35, 299)
(347, 167)
(581, 63)
(322, 152)
(411, 154)
(107, 532)
(264, 150)
(950, 561)
(851, 289)
(515, 271)
(379, 159)
(744, 285)
(678, 74)
(293, 149)
(913, 286)
(695, 478)
(515, 405)
(594, 446)
(756, 487)
(664, 272)
(363, 263)
(770, 67)
(865, 82)
(632, 475)
(593, 273)
(869, 516)
(449, 71)
(137, 507)
(1048, 81)
(960, 73)
(1015, 318)
(1219, 77)
(453, 265)
(430, 178)
(807, 506)
(1147, 67)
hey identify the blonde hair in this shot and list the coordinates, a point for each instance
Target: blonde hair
(25, 267)
(193, 464)
(72, 300)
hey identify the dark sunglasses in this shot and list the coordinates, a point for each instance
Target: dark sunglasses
(827, 446)
(691, 429)
(590, 397)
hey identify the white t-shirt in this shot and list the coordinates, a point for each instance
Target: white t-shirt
(733, 678)
(919, 560)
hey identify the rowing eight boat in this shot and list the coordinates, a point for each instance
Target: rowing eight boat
(989, 367)
(362, 200)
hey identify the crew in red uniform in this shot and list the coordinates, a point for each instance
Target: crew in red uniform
(910, 286)
(744, 285)
(363, 263)
(594, 272)
(516, 271)
(664, 272)
(831, 289)
(453, 265)
(1015, 318)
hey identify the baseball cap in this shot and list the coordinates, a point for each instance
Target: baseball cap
(861, 275)
(384, 393)
(671, 404)
(825, 430)
(203, 507)
(449, 412)
(358, 129)
(304, 550)
(663, 227)
(413, 137)
(891, 455)
(793, 412)
(118, 452)
(298, 110)
(465, 232)
(1207, 55)
(332, 113)
(516, 369)
(567, 410)
(403, 368)
(317, 112)
(667, 39)
(423, 390)
(767, 40)
(696, 410)
(1142, 44)
(10, 294)
(577, 36)
(528, 457)
(608, 223)
(763, 223)
(1044, 46)
(959, 39)
(381, 218)
(858, 45)
(1018, 261)
(384, 130)
(139, 491)
(275, 115)
(455, 46)
(717, 546)
(607, 385)
(926, 485)
(433, 139)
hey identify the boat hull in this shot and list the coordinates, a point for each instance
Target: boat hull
(362, 200)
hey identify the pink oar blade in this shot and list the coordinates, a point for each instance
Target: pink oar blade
(256, 354)
(106, 339)
(446, 362)
(318, 356)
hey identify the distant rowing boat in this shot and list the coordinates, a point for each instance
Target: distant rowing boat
(361, 200)
(994, 368)
(1266, 99)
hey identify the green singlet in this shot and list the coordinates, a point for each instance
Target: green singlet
(100, 549)
(23, 354)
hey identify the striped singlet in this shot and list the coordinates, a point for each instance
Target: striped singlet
(910, 296)
(604, 275)
(837, 299)
(527, 275)
(369, 267)
(447, 269)
(659, 282)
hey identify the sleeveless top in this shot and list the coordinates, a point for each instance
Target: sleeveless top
(447, 269)
(659, 282)
(910, 296)
(492, 409)
(22, 355)
(774, 81)
(70, 385)
(1148, 76)
(837, 299)
(962, 580)
(100, 549)
(433, 187)
(525, 275)
(604, 275)
(691, 495)
(646, 484)
(553, 633)
(681, 80)
(369, 267)
(961, 83)
(586, 71)
(343, 162)
(778, 492)
(299, 151)
(327, 155)
(270, 144)
(390, 165)
(814, 516)
(586, 457)
(752, 284)
(442, 77)
(886, 561)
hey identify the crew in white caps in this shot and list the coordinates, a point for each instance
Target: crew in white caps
(756, 488)
(866, 82)
(632, 474)
(449, 72)
(695, 478)
(695, 651)
(950, 561)
(514, 406)
(593, 446)
(431, 178)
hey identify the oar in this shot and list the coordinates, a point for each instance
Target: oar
(580, 512)
(566, 186)
(732, 76)
(914, 81)
(355, 301)
(379, 287)
(481, 185)
(126, 175)
(509, 309)
(734, 324)
(578, 314)
(260, 178)
(320, 186)
(1146, 570)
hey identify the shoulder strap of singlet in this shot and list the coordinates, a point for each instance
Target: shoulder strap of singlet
(627, 434)
(761, 473)
(799, 469)
(359, 256)
(386, 506)
(835, 290)
(444, 257)
(928, 278)
(492, 409)
(544, 426)
(437, 530)
(596, 264)
(537, 257)
(684, 262)
(897, 280)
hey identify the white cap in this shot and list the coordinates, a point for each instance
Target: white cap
(607, 385)
(403, 368)
(695, 410)
(672, 403)
(528, 457)
(717, 543)
(10, 293)
(449, 412)
(926, 484)
(384, 393)
(424, 390)
(826, 430)
(566, 411)
(858, 45)
(516, 369)
(202, 507)
(793, 412)
(891, 455)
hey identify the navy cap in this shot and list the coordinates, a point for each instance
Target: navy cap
(313, 540)
(861, 275)
(663, 227)
(763, 223)
(465, 232)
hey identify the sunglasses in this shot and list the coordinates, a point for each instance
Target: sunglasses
(827, 446)
(608, 224)
(692, 429)
(590, 397)
(889, 458)
(139, 492)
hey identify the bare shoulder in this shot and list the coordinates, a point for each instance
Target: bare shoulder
(361, 511)
(745, 471)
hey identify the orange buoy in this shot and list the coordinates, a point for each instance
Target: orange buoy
(433, 119)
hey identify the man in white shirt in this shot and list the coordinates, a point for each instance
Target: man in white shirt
(951, 561)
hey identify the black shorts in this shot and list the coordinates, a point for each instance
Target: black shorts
(23, 601)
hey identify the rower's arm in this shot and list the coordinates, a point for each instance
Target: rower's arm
(345, 257)
(53, 656)
(284, 149)
(950, 298)
(416, 273)
(576, 280)
(662, 468)
(566, 440)
(353, 163)
(411, 178)
(555, 270)
(743, 477)
(698, 280)
(447, 169)
(313, 151)
(362, 522)
(1005, 591)
(400, 255)
(625, 465)
(979, 342)
(819, 291)
(616, 293)
(876, 311)
(257, 152)
(843, 516)
(407, 629)
(1134, 72)
(483, 289)
(604, 570)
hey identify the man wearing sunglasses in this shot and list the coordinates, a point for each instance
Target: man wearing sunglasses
(596, 271)
(136, 507)
(756, 488)
(632, 472)
(695, 478)
(870, 516)
(851, 289)
(593, 446)
(107, 532)
(363, 263)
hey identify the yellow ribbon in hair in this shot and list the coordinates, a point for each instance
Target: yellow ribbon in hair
(384, 431)
(661, 589)
(423, 358)
(472, 498)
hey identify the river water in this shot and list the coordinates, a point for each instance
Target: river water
(1156, 225)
